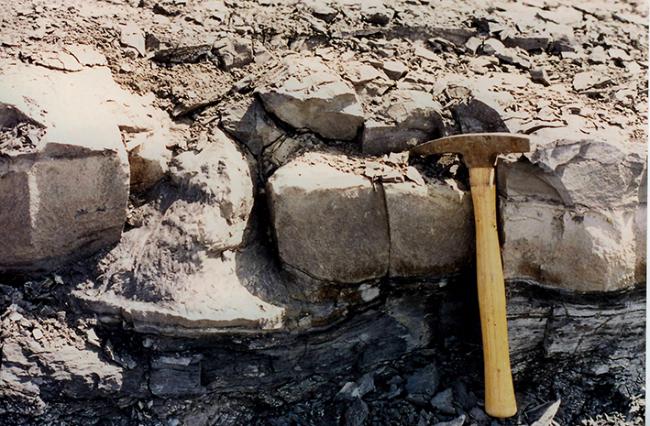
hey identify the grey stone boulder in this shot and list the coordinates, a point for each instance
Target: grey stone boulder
(233, 52)
(431, 230)
(573, 214)
(306, 94)
(329, 222)
(404, 119)
(64, 172)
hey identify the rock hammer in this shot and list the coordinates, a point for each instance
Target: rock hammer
(479, 151)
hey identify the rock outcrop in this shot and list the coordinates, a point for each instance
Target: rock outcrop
(329, 223)
(64, 173)
(178, 268)
(573, 215)
(338, 219)
(440, 214)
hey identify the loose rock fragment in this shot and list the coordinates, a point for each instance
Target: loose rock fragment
(476, 117)
(247, 122)
(234, 52)
(444, 402)
(406, 118)
(132, 36)
(323, 11)
(375, 12)
(307, 94)
(538, 75)
(589, 79)
(394, 69)
(598, 55)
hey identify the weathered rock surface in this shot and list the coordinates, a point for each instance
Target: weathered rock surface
(335, 224)
(404, 119)
(306, 94)
(440, 214)
(572, 215)
(329, 223)
(148, 160)
(42, 352)
(63, 185)
(247, 122)
(177, 269)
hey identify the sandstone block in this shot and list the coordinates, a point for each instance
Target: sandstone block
(329, 223)
(431, 230)
(64, 174)
(573, 215)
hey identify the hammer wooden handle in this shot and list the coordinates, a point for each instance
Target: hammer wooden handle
(499, 393)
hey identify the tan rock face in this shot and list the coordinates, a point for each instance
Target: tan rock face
(181, 268)
(337, 225)
(65, 186)
(573, 215)
(431, 229)
(329, 223)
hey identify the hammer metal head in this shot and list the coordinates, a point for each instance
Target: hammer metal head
(477, 149)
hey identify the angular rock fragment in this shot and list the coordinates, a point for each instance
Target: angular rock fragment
(376, 12)
(590, 79)
(475, 116)
(132, 36)
(538, 75)
(233, 52)
(86, 55)
(529, 43)
(306, 94)
(247, 122)
(404, 119)
(422, 384)
(329, 223)
(148, 158)
(394, 69)
(183, 54)
(569, 214)
(322, 11)
(64, 178)
(440, 215)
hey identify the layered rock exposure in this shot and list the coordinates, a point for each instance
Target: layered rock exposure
(209, 215)
(575, 211)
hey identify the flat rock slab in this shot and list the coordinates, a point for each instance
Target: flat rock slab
(212, 300)
(329, 223)
(573, 215)
(306, 94)
(64, 187)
